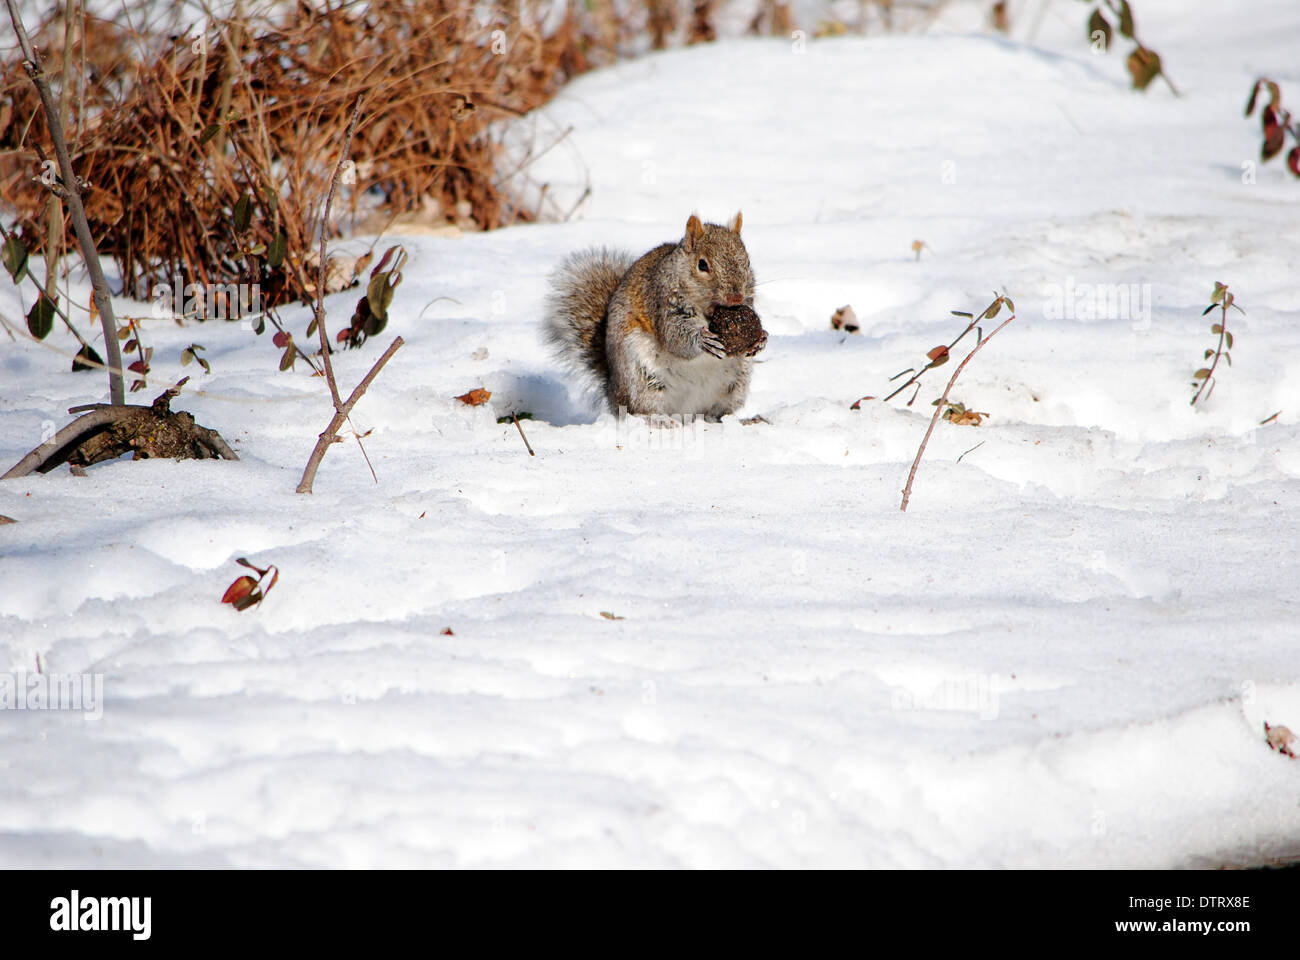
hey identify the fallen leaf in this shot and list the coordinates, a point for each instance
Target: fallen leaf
(845, 319)
(1280, 739)
(239, 590)
(476, 397)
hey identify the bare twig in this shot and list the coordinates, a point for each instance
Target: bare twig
(331, 432)
(938, 410)
(520, 428)
(341, 410)
(324, 236)
(72, 190)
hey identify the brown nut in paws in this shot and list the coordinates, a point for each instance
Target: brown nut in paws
(739, 329)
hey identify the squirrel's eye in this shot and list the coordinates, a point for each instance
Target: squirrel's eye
(703, 265)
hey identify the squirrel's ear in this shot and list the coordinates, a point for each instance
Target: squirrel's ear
(735, 224)
(694, 230)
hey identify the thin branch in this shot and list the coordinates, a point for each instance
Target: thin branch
(341, 410)
(911, 474)
(519, 426)
(331, 432)
(324, 234)
(73, 189)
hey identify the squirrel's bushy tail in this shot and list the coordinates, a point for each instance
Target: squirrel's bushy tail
(575, 308)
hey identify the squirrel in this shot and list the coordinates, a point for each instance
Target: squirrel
(640, 329)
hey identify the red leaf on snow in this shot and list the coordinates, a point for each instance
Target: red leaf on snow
(238, 590)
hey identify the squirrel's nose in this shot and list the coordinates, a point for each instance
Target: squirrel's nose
(734, 300)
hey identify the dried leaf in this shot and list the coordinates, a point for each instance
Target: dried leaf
(609, 616)
(1273, 143)
(476, 397)
(1144, 66)
(938, 356)
(845, 319)
(1269, 121)
(967, 418)
(1281, 739)
(239, 590)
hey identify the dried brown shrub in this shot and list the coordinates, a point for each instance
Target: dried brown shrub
(210, 159)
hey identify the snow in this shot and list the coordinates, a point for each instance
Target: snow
(1062, 654)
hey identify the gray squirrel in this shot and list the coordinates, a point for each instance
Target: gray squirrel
(640, 329)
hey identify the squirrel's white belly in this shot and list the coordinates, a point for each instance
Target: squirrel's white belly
(696, 385)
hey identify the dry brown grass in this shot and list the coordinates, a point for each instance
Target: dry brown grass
(172, 132)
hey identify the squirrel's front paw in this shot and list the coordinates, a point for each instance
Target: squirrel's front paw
(712, 344)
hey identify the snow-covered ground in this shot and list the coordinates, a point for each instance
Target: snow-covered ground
(1063, 654)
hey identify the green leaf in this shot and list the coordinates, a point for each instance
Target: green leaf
(1209, 353)
(243, 213)
(1126, 19)
(40, 318)
(1228, 339)
(208, 133)
(1219, 291)
(86, 359)
(993, 309)
(1216, 328)
(290, 354)
(15, 257)
(1099, 24)
(276, 251)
